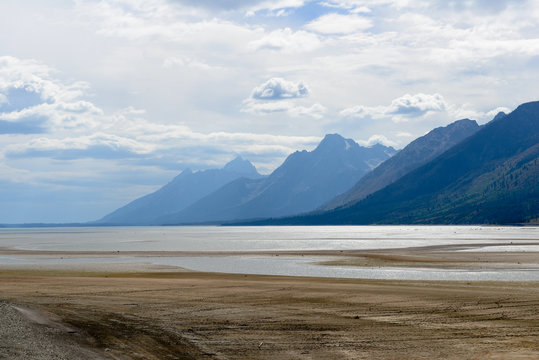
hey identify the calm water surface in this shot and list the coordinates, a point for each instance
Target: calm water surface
(274, 239)
(206, 238)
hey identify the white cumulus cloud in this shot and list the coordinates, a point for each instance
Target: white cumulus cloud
(277, 95)
(60, 107)
(279, 89)
(417, 105)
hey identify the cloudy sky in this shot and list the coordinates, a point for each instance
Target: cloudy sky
(104, 101)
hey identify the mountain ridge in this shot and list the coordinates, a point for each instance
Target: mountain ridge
(303, 181)
(415, 154)
(489, 177)
(182, 191)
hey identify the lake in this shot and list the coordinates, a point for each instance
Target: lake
(202, 239)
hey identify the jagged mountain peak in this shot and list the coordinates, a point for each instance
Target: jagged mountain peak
(390, 150)
(489, 177)
(304, 181)
(185, 189)
(499, 115)
(335, 142)
(416, 153)
(241, 166)
(463, 122)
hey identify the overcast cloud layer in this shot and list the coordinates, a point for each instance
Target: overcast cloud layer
(104, 101)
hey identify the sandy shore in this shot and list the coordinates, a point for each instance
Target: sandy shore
(437, 256)
(169, 313)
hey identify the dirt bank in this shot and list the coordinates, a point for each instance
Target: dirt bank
(190, 315)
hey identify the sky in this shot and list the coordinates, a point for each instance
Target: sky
(104, 101)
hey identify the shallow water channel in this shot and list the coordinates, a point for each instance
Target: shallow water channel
(200, 240)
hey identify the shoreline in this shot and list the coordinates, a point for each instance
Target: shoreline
(115, 310)
(457, 256)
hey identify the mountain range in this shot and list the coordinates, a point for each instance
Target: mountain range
(489, 177)
(302, 183)
(182, 191)
(415, 154)
(462, 173)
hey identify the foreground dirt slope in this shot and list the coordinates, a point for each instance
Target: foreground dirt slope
(190, 315)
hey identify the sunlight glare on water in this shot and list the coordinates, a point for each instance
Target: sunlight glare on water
(207, 238)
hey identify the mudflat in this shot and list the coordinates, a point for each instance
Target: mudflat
(173, 314)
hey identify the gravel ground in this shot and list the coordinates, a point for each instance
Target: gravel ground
(26, 335)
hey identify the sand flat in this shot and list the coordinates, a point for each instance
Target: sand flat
(145, 311)
(193, 315)
(437, 256)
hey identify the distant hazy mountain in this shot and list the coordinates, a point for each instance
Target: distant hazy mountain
(490, 177)
(417, 153)
(302, 183)
(182, 191)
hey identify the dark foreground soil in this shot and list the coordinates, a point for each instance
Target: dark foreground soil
(190, 315)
